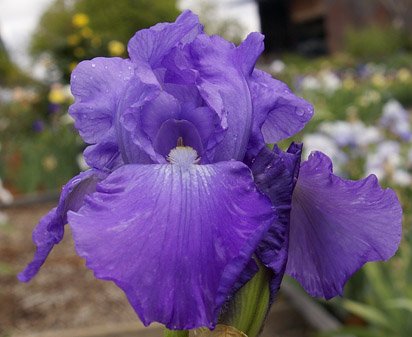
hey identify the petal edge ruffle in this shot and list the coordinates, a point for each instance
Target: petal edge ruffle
(50, 229)
(337, 226)
(275, 175)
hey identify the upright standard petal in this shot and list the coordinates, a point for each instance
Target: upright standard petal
(337, 226)
(249, 51)
(275, 174)
(224, 88)
(97, 86)
(174, 237)
(135, 145)
(277, 112)
(50, 229)
(151, 45)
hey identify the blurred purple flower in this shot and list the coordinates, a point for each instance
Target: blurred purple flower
(183, 191)
(38, 126)
(53, 108)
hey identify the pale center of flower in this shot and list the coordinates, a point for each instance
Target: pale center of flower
(183, 156)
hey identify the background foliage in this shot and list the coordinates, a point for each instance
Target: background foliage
(74, 30)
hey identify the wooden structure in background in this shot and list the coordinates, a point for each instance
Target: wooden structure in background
(315, 27)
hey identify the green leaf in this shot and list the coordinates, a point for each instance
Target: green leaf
(400, 303)
(367, 312)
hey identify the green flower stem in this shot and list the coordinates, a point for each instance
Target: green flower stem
(175, 333)
(248, 309)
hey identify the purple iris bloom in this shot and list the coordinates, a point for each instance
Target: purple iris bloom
(183, 193)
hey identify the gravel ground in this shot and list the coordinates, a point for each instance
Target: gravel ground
(65, 295)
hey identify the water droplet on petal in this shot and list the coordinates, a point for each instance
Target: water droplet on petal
(300, 112)
(93, 65)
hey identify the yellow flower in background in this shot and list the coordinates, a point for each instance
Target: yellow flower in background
(73, 40)
(49, 163)
(56, 94)
(369, 97)
(87, 33)
(116, 48)
(80, 20)
(348, 83)
(378, 80)
(404, 75)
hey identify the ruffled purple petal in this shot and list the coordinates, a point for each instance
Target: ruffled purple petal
(158, 111)
(50, 229)
(178, 68)
(249, 51)
(105, 155)
(174, 238)
(97, 86)
(135, 144)
(277, 112)
(337, 226)
(275, 174)
(151, 45)
(224, 88)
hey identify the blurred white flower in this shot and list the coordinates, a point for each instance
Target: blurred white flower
(81, 162)
(310, 83)
(330, 81)
(326, 81)
(6, 95)
(277, 66)
(323, 143)
(402, 177)
(396, 119)
(385, 160)
(5, 196)
(354, 134)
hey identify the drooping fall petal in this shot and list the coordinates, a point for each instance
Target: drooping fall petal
(174, 238)
(50, 229)
(338, 225)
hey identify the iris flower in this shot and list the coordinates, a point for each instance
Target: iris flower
(183, 195)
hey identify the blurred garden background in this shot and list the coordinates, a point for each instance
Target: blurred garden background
(352, 59)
